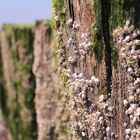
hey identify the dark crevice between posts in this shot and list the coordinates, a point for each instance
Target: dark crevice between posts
(105, 12)
(132, 8)
(3, 105)
(71, 9)
(52, 133)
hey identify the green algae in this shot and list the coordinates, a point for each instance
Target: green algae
(98, 45)
(23, 85)
(121, 11)
(60, 11)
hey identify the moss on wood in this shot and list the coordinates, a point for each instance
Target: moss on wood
(21, 116)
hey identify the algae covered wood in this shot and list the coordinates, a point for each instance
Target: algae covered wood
(98, 61)
(100, 91)
(52, 118)
(18, 87)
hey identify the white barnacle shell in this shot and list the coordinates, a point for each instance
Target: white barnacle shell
(131, 98)
(134, 106)
(127, 23)
(81, 45)
(125, 124)
(128, 131)
(69, 42)
(82, 93)
(104, 105)
(75, 51)
(138, 80)
(129, 44)
(67, 75)
(101, 98)
(56, 18)
(131, 117)
(60, 33)
(127, 112)
(69, 22)
(73, 132)
(107, 129)
(89, 44)
(138, 32)
(95, 80)
(137, 42)
(134, 34)
(80, 76)
(112, 134)
(75, 75)
(123, 55)
(115, 32)
(130, 70)
(98, 113)
(84, 52)
(116, 136)
(83, 96)
(123, 49)
(131, 28)
(125, 28)
(86, 47)
(137, 114)
(125, 102)
(83, 134)
(132, 51)
(91, 90)
(72, 104)
(127, 137)
(135, 57)
(92, 107)
(67, 71)
(133, 120)
(84, 35)
(131, 109)
(134, 132)
(71, 59)
(80, 124)
(101, 119)
(76, 25)
(89, 82)
(138, 91)
(82, 57)
(127, 39)
(82, 79)
(135, 82)
(110, 108)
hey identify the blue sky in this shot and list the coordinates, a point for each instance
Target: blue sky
(24, 11)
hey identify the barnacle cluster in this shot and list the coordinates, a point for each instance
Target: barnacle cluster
(81, 107)
(87, 121)
(127, 40)
(90, 112)
(91, 119)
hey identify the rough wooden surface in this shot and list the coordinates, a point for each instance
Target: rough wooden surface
(51, 116)
(92, 23)
(97, 62)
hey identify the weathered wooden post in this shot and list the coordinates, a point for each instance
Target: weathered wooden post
(98, 50)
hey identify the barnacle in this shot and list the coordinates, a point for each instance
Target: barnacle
(76, 26)
(69, 22)
(127, 43)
